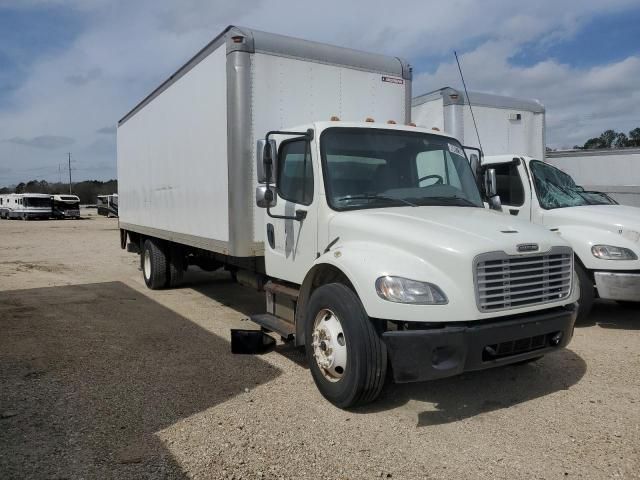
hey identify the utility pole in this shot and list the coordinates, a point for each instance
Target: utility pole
(70, 173)
(59, 174)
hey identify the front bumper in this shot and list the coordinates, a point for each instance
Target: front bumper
(618, 286)
(418, 355)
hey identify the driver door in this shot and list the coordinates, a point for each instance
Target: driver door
(291, 245)
(515, 194)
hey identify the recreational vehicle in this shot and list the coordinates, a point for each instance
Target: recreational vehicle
(65, 206)
(28, 206)
(367, 235)
(108, 205)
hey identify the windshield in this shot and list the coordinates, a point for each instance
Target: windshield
(37, 202)
(556, 189)
(373, 168)
(67, 205)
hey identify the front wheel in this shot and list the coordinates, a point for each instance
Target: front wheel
(346, 355)
(587, 293)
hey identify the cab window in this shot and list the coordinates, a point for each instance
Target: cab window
(295, 172)
(509, 184)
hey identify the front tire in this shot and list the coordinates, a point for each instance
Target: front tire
(154, 264)
(587, 293)
(346, 356)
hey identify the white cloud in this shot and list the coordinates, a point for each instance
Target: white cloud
(127, 48)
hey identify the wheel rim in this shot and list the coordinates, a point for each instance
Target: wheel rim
(329, 345)
(146, 264)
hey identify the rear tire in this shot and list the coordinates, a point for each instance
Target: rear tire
(176, 266)
(587, 293)
(346, 356)
(154, 264)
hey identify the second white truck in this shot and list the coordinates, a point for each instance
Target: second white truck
(293, 165)
(605, 236)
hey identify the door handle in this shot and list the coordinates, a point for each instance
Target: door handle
(271, 236)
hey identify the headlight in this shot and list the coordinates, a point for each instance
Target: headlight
(403, 290)
(609, 252)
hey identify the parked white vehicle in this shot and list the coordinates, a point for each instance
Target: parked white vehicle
(65, 206)
(5, 205)
(27, 206)
(605, 236)
(370, 240)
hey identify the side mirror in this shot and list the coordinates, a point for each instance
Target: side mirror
(266, 197)
(491, 189)
(266, 160)
(490, 185)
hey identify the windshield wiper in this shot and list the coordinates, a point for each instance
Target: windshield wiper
(367, 196)
(462, 200)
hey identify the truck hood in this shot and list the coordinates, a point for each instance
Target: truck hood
(620, 219)
(441, 230)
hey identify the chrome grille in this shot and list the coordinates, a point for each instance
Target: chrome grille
(511, 281)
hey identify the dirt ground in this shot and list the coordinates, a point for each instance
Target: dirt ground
(103, 378)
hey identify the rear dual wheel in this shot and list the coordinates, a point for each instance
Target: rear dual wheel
(162, 265)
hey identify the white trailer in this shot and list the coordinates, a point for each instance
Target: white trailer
(272, 157)
(505, 124)
(614, 171)
(605, 236)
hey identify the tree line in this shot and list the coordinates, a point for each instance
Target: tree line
(612, 139)
(87, 190)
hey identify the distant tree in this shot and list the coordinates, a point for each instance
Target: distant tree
(621, 141)
(608, 137)
(577, 147)
(634, 137)
(593, 143)
(87, 190)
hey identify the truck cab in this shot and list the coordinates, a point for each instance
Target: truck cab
(605, 236)
(386, 223)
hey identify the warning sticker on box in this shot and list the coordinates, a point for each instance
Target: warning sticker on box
(456, 149)
(397, 81)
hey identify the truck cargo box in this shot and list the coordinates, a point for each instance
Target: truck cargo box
(186, 168)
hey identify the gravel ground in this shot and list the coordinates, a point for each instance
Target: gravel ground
(102, 378)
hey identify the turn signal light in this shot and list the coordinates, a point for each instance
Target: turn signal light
(369, 119)
(411, 124)
(436, 129)
(334, 118)
(237, 39)
(391, 122)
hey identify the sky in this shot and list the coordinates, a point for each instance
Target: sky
(69, 69)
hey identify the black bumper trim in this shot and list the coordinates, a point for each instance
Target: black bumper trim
(418, 355)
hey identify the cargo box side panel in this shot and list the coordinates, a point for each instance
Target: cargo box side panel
(288, 92)
(172, 159)
(429, 114)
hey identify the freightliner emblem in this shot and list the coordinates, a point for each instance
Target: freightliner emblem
(527, 247)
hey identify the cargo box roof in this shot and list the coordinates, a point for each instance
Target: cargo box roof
(273, 44)
(451, 96)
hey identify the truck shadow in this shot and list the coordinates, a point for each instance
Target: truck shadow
(609, 314)
(475, 393)
(89, 374)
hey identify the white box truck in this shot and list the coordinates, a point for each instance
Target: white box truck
(369, 239)
(505, 124)
(604, 235)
